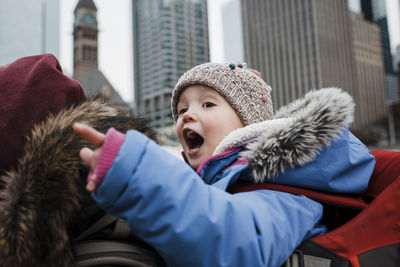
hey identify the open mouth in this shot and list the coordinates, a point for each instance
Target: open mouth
(193, 139)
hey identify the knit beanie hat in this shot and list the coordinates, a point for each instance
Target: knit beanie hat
(31, 88)
(243, 88)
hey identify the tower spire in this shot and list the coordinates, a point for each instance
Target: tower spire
(86, 4)
(85, 39)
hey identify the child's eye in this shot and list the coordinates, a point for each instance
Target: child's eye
(182, 110)
(208, 105)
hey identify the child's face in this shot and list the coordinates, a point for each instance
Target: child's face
(205, 118)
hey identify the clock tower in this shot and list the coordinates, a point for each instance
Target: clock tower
(85, 39)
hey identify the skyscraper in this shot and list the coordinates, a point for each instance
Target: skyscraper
(299, 45)
(169, 37)
(370, 71)
(28, 27)
(375, 11)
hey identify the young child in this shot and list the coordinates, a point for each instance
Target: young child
(224, 120)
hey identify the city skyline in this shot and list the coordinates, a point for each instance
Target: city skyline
(115, 33)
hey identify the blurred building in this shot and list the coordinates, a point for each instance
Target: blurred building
(397, 59)
(96, 84)
(28, 27)
(86, 40)
(169, 37)
(306, 44)
(299, 45)
(86, 59)
(375, 11)
(233, 32)
(392, 88)
(370, 71)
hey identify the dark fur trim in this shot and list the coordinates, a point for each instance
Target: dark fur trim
(312, 123)
(44, 197)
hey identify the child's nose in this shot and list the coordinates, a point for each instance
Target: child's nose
(189, 115)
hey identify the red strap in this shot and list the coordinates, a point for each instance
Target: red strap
(350, 201)
(387, 169)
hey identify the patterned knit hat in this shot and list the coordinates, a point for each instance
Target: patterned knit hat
(244, 90)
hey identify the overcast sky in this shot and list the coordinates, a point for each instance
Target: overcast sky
(115, 38)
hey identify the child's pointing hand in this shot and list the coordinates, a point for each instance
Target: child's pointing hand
(89, 156)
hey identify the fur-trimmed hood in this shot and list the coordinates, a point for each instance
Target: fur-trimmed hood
(43, 200)
(296, 135)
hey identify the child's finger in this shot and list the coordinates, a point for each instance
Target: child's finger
(92, 135)
(91, 185)
(86, 155)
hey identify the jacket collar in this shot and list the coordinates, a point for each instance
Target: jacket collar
(211, 166)
(295, 136)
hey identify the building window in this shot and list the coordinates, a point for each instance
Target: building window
(147, 106)
(157, 103)
(89, 53)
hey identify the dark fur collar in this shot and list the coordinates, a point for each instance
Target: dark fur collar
(296, 135)
(43, 201)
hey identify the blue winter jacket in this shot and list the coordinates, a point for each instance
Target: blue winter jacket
(192, 221)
